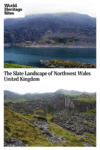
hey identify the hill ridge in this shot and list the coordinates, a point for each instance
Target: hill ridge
(33, 28)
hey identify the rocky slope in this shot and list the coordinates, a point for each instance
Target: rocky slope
(66, 64)
(59, 28)
(60, 121)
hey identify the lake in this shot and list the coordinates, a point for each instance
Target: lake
(32, 56)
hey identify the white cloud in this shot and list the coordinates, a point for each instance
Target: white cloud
(84, 7)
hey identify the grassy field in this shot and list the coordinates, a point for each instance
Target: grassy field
(23, 130)
(8, 65)
(91, 112)
(89, 99)
(15, 100)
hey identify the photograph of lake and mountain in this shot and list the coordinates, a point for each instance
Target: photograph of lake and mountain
(52, 35)
(60, 118)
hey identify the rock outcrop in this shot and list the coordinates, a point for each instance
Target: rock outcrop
(64, 64)
(78, 123)
(47, 115)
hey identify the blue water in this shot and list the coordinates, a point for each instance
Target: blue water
(32, 56)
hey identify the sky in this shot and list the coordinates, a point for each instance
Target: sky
(41, 88)
(54, 6)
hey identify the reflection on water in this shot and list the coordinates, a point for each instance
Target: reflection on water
(32, 56)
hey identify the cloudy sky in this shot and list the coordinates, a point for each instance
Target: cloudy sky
(54, 6)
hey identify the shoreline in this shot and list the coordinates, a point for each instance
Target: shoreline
(49, 46)
(66, 64)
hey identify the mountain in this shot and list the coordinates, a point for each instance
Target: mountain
(51, 29)
(62, 91)
(72, 92)
(15, 97)
(11, 95)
